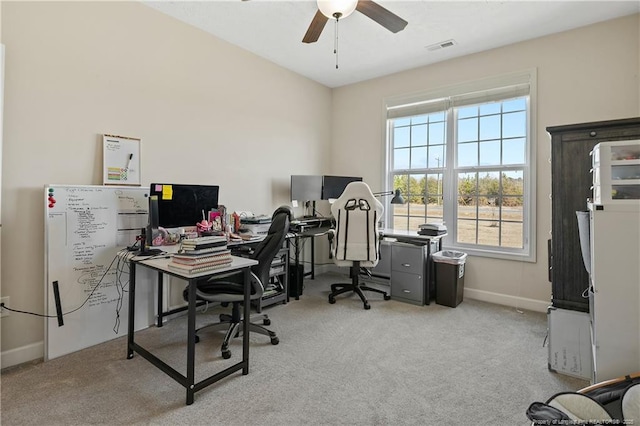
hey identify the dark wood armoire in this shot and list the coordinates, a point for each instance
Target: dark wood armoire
(571, 182)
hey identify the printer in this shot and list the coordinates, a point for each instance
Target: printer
(256, 225)
(432, 229)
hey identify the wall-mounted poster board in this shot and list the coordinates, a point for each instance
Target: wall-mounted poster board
(121, 158)
(85, 227)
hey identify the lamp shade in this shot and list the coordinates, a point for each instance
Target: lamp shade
(334, 9)
(397, 196)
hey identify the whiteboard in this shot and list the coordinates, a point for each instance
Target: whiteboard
(85, 227)
(121, 160)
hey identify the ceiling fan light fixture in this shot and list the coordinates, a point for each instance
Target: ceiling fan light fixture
(334, 9)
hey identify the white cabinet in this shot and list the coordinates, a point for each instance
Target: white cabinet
(616, 172)
(615, 289)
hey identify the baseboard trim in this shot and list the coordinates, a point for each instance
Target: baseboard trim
(482, 295)
(507, 300)
(21, 355)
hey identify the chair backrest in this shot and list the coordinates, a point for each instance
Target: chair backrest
(356, 212)
(267, 249)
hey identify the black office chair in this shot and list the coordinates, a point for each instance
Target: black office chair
(229, 289)
(355, 241)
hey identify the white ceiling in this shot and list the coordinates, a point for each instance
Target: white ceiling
(274, 29)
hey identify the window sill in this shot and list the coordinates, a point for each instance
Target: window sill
(494, 254)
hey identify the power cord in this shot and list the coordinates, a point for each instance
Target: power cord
(4, 306)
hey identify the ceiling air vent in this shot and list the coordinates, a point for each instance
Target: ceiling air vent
(441, 45)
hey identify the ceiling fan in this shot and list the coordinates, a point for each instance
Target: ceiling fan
(340, 9)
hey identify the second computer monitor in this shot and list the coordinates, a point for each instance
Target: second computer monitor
(306, 187)
(333, 186)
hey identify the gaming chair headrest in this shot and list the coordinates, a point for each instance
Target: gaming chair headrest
(283, 209)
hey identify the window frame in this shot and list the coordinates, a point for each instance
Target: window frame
(415, 104)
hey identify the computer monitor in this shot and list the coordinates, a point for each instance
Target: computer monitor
(333, 186)
(306, 187)
(182, 205)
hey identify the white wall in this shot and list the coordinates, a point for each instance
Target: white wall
(206, 111)
(587, 74)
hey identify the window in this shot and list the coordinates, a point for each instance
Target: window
(466, 158)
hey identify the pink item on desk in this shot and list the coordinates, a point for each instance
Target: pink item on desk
(203, 226)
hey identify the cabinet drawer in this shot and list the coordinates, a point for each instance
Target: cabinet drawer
(407, 286)
(601, 134)
(407, 258)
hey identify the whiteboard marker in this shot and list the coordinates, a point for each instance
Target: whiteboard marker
(129, 162)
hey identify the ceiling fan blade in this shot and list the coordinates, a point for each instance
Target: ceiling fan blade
(382, 16)
(315, 28)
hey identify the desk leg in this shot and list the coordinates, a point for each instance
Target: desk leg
(313, 258)
(160, 308)
(191, 341)
(297, 273)
(245, 322)
(132, 305)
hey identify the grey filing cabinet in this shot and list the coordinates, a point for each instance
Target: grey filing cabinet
(408, 267)
(409, 272)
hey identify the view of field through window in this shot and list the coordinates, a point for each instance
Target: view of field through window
(488, 174)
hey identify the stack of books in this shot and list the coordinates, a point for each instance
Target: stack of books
(201, 254)
(202, 245)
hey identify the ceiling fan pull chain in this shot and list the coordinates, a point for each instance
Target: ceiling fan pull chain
(335, 42)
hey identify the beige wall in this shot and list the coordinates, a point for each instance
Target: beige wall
(207, 112)
(587, 74)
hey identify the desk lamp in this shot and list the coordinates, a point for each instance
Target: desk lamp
(397, 197)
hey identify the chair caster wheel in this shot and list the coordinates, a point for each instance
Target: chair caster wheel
(275, 340)
(197, 339)
(367, 306)
(226, 354)
(387, 297)
(332, 300)
(266, 321)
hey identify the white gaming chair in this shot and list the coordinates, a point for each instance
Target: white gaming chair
(355, 241)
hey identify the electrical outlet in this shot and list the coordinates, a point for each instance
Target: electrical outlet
(4, 312)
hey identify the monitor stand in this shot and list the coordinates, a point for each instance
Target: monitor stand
(145, 244)
(149, 252)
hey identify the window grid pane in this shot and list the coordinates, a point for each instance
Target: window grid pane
(422, 150)
(490, 159)
(494, 200)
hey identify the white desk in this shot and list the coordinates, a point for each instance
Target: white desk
(161, 266)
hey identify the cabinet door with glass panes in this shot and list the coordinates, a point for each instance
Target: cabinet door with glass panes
(616, 172)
